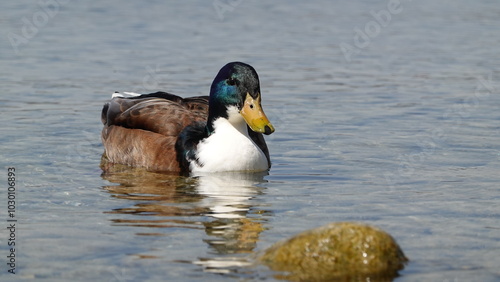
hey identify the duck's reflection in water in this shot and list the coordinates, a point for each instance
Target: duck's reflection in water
(229, 199)
(223, 204)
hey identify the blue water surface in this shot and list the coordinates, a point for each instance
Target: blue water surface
(386, 113)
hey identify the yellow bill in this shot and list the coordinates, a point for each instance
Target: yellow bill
(255, 117)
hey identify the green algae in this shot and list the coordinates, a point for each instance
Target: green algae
(337, 251)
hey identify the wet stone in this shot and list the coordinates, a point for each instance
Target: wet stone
(337, 251)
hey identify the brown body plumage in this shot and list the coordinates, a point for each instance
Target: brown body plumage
(142, 131)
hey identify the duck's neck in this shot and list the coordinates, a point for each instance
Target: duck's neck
(231, 114)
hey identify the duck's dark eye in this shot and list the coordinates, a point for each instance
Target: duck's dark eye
(231, 81)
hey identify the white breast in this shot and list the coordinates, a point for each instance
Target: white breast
(229, 148)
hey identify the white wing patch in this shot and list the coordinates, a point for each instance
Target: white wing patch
(125, 94)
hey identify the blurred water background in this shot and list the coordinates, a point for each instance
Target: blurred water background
(386, 112)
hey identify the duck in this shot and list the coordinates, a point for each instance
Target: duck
(160, 131)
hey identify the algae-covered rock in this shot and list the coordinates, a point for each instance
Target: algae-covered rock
(341, 251)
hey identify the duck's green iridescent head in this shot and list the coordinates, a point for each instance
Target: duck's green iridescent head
(237, 84)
